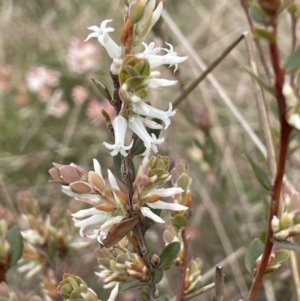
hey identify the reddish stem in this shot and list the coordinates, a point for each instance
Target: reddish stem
(276, 189)
(183, 266)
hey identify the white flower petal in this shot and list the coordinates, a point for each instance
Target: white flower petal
(168, 206)
(97, 168)
(112, 48)
(147, 212)
(114, 292)
(112, 180)
(88, 212)
(120, 127)
(165, 192)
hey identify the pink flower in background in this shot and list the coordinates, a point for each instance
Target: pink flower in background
(5, 78)
(79, 94)
(40, 77)
(94, 111)
(56, 106)
(82, 57)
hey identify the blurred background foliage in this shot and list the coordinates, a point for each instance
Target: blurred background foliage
(50, 111)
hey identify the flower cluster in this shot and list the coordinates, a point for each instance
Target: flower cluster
(38, 233)
(119, 265)
(137, 76)
(110, 204)
(288, 224)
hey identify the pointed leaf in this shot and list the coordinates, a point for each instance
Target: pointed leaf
(255, 249)
(103, 90)
(292, 62)
(169, 255)
(287, 245)
(264, 34)
(15, 240)
(260, 175)
(260, 82)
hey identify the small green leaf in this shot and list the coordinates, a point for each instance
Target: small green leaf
(257, 14)
(255, 249)
(103, 90)
(131, 285)
(163, 297)
(180, 220)
(260, 175)
(144, 296)
(150, 222)
(158, 276)
(284, 244)
(264, 34)
(169, 255)
(292, 62)
(106, 116)
(260, 82)
(280, 257)
(137, 283)
(15, 240)
(117, 165)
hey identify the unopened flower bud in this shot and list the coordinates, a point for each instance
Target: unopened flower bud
(136, 10)
(275, 224)
(286, 221)
(155, 260)
(289, 94)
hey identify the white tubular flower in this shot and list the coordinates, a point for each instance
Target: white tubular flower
(114, 292)
(120, 127)
(147, 212)
(155, 113)
(155, 60)
(151, 124)
(157, 83)
(162, 192)
(168, 206)
(101, 32)
(92, 216)
(102, 232)
(137, 126)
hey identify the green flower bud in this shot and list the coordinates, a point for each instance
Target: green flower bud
(136, 11)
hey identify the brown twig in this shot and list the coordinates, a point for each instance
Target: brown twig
(209, 69)
(180, 293)
(219, 284)
(276, 189)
